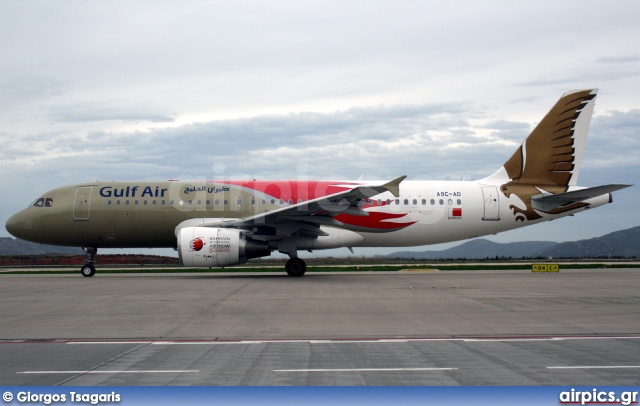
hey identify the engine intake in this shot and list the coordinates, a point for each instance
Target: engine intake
(215, 247)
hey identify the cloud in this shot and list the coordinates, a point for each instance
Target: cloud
(118, 111)
(619, 59)
(613, 147)
(149, 90)
(31, 87)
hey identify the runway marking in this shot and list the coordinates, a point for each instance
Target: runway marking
(353, 341)
(176, 371)
(365, 370)
(597, 367)
(110, 342)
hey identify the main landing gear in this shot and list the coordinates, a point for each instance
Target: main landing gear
(89, 269)
(295, 267)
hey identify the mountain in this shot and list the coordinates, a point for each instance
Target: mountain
(13, 246)
(625, 243)
(480, 249)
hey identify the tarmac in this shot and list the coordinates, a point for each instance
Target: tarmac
(577, 327)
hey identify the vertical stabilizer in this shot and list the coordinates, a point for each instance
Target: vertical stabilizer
(552, 154)
(580, 131)
(549, 159)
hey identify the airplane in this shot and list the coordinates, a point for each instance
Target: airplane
(226, 223)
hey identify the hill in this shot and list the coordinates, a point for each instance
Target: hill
(619, 244)
(13, 246)
(481, 249)
(625, 244)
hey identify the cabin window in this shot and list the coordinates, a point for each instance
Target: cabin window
(117, 202)
(406, 202)
(433, 202)
(397, 201)
(48, 202)
(145, 202)
(154, 202)
(441, 202)
(135, 202)
(126, 202)
(424, 202)
(108, 202)
(459, 202)
(415, 202)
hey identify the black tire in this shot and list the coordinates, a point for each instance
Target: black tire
(88, 271)
(295, 267)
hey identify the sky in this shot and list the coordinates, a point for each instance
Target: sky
(312, 90)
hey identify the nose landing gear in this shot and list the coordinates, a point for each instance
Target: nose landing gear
(89, 269)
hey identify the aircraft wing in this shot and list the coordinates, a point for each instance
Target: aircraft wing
(547, 201)
(309, 215)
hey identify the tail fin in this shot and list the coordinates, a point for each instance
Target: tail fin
(551, 155)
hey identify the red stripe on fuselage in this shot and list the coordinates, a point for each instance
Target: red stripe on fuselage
(375, 220)
(293, 189)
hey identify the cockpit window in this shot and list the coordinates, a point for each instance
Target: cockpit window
(42, 202)
(38, 202)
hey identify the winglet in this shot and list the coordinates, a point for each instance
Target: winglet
(394, 185)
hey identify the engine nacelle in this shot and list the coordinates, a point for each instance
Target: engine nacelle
(215, 247)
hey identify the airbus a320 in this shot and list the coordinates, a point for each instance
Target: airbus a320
(225, 223)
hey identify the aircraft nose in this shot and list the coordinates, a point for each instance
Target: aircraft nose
(15, 225)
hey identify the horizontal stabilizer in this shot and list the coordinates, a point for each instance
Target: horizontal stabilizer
(547, 201)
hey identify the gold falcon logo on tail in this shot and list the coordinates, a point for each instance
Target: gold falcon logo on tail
(548, 161)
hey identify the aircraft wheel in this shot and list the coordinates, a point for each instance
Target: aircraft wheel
(88, 270)
(295, 267)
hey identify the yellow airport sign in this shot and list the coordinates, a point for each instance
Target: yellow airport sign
(545, 268)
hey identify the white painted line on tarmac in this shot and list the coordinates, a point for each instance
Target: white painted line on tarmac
(365, 370)
(171, 371)
(597, 367)
(515, 339)
(108, 342)
(474, 340)
(356, 341)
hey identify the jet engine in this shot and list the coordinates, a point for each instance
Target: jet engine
(215, 247)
